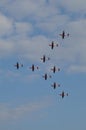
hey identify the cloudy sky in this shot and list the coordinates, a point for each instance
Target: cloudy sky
(27, 101)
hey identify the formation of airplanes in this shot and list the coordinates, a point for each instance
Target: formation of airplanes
(53, 69)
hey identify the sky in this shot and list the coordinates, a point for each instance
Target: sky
(27, 100)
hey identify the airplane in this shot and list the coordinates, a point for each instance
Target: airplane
(33, 67)
(17, 65)
(46, 76)
(54, 85)
(63, 94)
(54, 69)
(63, 35)
(53, 45)
(44, 58)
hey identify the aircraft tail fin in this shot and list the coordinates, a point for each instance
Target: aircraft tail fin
(21, 65)
(67, 94)
(50, 76)
(68, 34)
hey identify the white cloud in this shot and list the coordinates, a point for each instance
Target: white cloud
(44, 18)
(77, 69)
(78, 28)
(9, 113)
(32, 48)
(51, 24)
(5, 25)
(74, 5)
(6, 48)
(30, 9)
(23, 28)
(4, 2)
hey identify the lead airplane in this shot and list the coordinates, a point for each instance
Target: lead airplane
(17, 65)
(63, 94)
(54, 69)
(54, 85)
(53, 45)
(33, 67)
(63, 35)
(44, 58)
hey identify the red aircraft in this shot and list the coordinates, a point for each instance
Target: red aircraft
(44, 58)
(18, 65)
(63, 35)
(33, 67)
(46, 76)
(53, 45)
(54, 69)
(54, 85)
(63, 94)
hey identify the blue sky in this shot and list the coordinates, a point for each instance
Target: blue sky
(27, 101)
